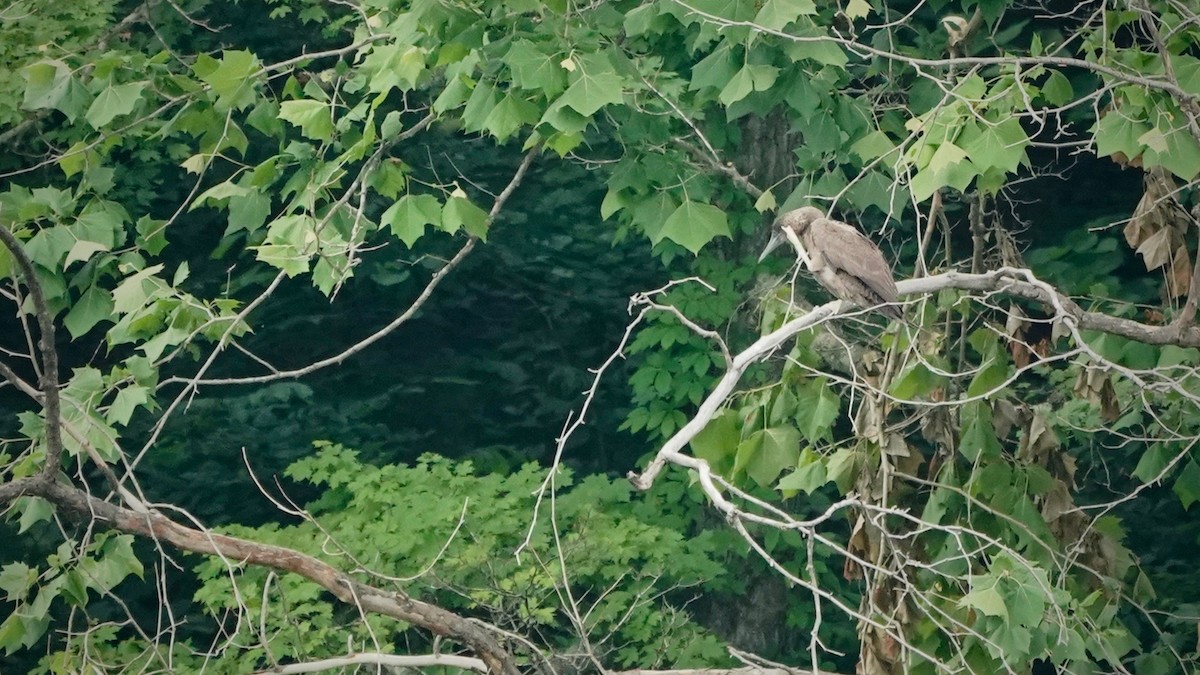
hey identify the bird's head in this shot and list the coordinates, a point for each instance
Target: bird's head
(796, 220)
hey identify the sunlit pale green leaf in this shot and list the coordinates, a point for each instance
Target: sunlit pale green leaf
(409, 215)
(594, 84)
(314, 118)
(986, 599)
(693, 224)
(459, 212)
(775, 14)
(232, 78)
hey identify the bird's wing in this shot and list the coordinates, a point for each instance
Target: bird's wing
(848, 250)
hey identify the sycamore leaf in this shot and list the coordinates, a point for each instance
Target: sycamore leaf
(593, 86)
(989, 378)
(987, 600)
(83, 250)
(817, 408)
(765, 202)
(508, 116)
(232, 79)
(460, 212)
(94, 306)
(809, 475)
(978, 438)
(314, 118)
(775, 14)
(718, 440)
(114, 101)
(738, 87)
(778, 451)
(858, 9)
(1001, 146)
(127, 400)
(409, 216)
(1057, 89)
(1176, 151)
(1187, 485)
(1117, 133)
(694, 224)
(533, 69)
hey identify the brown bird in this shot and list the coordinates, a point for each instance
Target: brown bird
(843, 260)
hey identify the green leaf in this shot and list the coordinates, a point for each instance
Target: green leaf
(232, 79)
(114, 101)
(986, 599)
(693, 224)
(842, 468)
(825, 52)
(594, 84)
(872, 146)
(33, 510)
(50, 85)
(858, 9)
(393, 65)
(1177, 152)
(738, 87)
(131, 294)
(218, 193)
(389, 178)
(50, 245)
(1057, 89)
(765, 202)
(508, 116)
(1187, 70)
(914, 381)
(746, 451)
(151, 234)
(16, 579)
(947, 167)
(127, 400)
(978, 438)
(115, 561)
(94, 306)
(12, 634)
(715, 70)
(1001, 146)
(410, 214)
(248, 211)
(1118, 133)
(778, 451)
(809, 474)
(83, 250)
(718, 440)
(989, 378)
(776, 14)
(460, 212)
(534, 70)
(1187, 485)
(817, 408)
(479, 105)
(285, 257)
(314, 118)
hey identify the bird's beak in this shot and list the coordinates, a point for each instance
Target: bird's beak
(776, 240)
